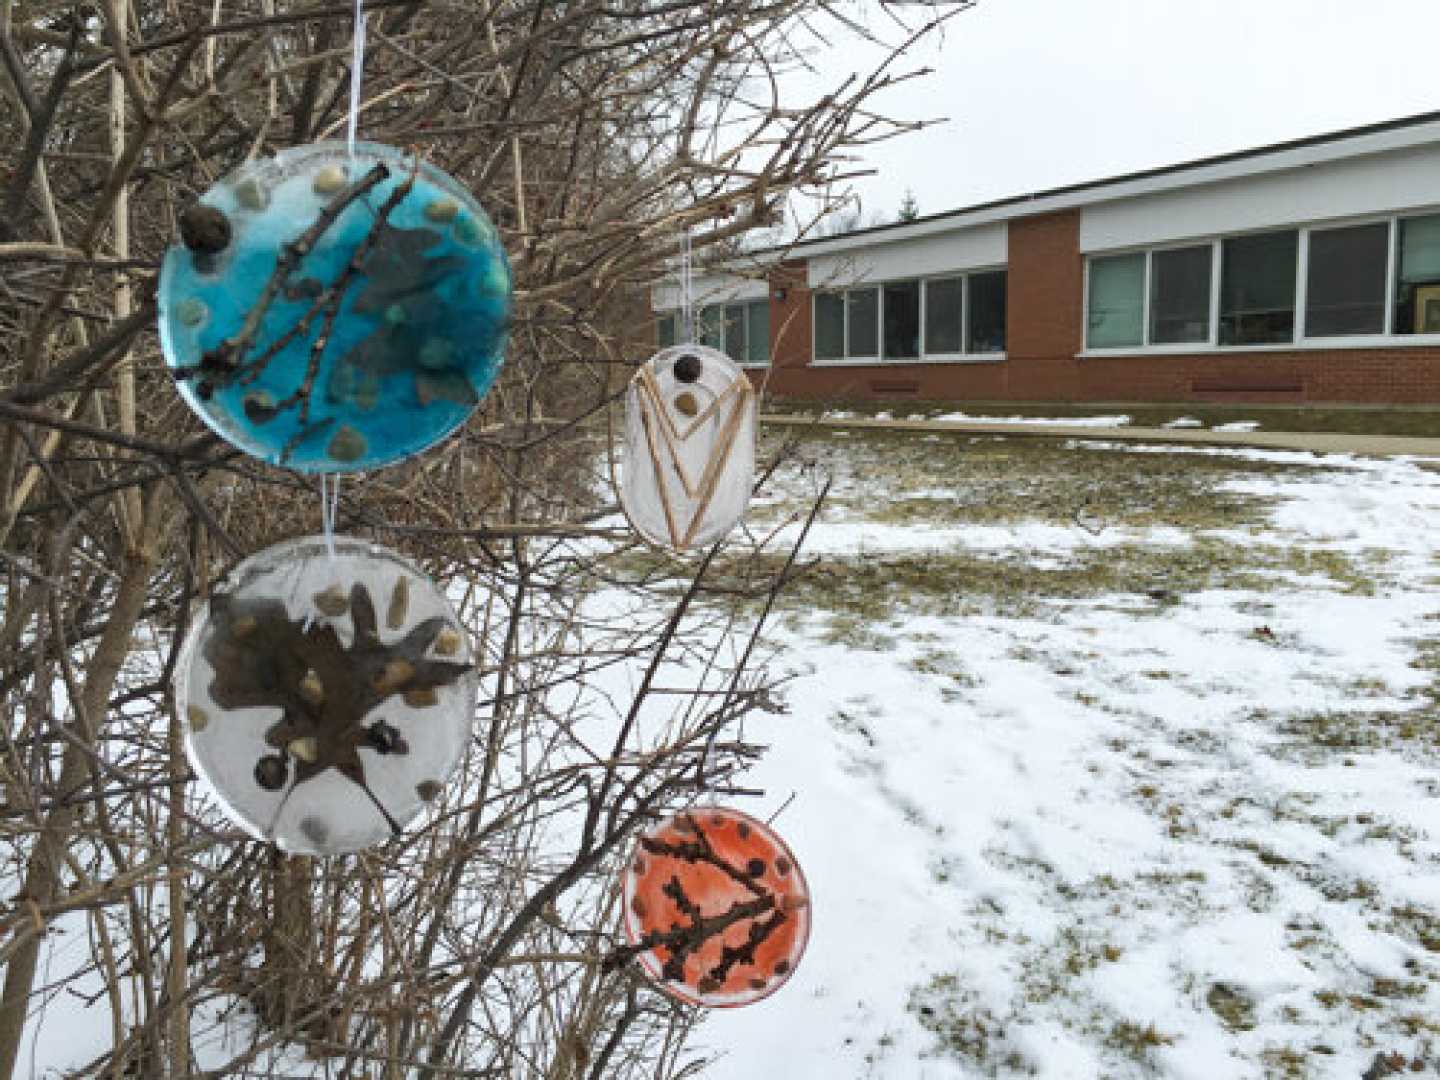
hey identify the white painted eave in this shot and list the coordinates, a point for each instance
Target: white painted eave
(1259, 164)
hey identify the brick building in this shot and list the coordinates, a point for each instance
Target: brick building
(1307, 271)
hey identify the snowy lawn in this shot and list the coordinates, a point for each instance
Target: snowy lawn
(1108, 762)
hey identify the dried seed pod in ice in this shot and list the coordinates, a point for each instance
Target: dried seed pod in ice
(321, 726)
(332, 312)
(689, 447)
(717, 907)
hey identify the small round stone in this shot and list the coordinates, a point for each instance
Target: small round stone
(329, 180)
(204, 229)
(332, 601)
(447, 642)
(496, 281)
(442, 210)
(306, 749)
(367, 393)
(259, 406)
(685, 404)
(384, 738)
(688, 367)
(437, 354)
(191, 312)
(347, 445)
(271, 771)
(251, 194)
(469, 231)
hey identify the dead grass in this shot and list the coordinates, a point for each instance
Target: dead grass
(1355, 420)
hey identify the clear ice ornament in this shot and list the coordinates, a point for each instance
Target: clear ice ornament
(326, 701)
(689, 458)
(334, 314)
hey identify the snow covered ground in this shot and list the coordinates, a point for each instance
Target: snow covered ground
(1167, 806)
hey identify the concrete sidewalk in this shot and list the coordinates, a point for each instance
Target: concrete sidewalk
(1319, 442)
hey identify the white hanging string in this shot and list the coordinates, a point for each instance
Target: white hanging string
(329, 507)
(357, 74)
(687, 291)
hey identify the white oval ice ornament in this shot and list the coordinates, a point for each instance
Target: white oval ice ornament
(326, 700)
(689, 447)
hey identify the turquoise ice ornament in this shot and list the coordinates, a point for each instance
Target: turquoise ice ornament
(333, 313)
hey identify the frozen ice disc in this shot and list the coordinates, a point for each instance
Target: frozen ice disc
(334, 314)
(725, 902)
(326, 700)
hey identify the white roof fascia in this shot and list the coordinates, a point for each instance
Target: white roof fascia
(1277, 161)
(711, 288)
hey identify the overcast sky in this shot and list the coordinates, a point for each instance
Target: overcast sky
(1041, 93)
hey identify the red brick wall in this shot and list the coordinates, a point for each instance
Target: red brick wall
(1045, 300)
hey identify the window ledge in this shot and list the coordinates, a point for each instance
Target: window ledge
(928, 361)
(1367, 341)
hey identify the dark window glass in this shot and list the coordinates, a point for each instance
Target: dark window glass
(1257, 289)
(1417, 277)
(757, 332)
(735, 332)
(943, 309)
(985, 329)
(1180, 295)
(902, 320)
(829, 326)
(1345, 281)
(710, 326)
(665, 331)
(862, 311)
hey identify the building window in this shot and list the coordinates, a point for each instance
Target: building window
(1345, 280)
(712, 326)
(1117, 302)
(757, 333)
(902, 320)
(862, 322)
(1417, 276)
(741, 331)
(944, 314)
(1257, 288)
(1180, 295)
(985, 314)
(829, 326)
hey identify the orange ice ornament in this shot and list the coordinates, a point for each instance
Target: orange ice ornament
(716, 909)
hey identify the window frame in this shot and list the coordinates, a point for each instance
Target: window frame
(925, 357)
(1301, 339)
